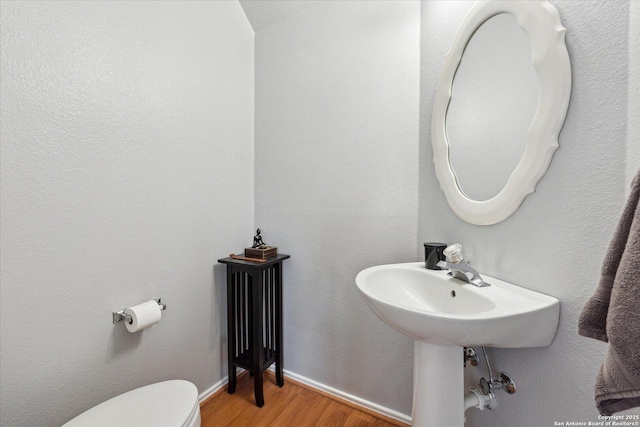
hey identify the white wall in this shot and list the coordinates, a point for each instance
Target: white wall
(127, 171)
(633, 100)
(327, 179)
(555, 242)
(337, 96)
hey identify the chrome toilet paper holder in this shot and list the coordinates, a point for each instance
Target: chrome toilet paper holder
(121, 315)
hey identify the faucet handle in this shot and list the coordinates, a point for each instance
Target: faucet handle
(453, 253)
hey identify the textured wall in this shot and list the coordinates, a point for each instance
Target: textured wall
(127, 163)
(337, 92)
(633, 101)
(556, 241)
(127, 171)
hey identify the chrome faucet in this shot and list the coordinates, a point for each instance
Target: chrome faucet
(464, 271)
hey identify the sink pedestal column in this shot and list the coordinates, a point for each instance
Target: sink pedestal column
(438, 386)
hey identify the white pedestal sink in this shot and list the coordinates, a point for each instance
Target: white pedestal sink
(444, 314)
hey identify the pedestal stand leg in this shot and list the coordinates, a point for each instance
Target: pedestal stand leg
(279, 333)
(231, 331)
(438, 386)
(256, 338)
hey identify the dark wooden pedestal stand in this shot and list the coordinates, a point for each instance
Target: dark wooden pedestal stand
(254, 319)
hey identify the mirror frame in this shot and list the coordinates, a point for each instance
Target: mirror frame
(541, 22)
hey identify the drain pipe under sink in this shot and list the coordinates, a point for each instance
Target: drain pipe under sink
(483, 397)
(476, 399)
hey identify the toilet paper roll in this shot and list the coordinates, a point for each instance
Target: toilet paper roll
(143, 315)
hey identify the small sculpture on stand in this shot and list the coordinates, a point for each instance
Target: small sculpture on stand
(259, 250)
(257, 240)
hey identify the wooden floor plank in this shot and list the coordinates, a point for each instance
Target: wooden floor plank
(335, 415)
(301, 411)
(294, 404)
(277, 399)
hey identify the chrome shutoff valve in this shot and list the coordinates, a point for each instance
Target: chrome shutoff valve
(504, 382)
(470, 356)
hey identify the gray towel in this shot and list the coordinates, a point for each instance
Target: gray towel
(612, 314)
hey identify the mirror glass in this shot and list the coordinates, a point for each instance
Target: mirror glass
(494, 98)
(495, 129)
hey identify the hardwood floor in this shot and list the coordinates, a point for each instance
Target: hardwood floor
(295, 405)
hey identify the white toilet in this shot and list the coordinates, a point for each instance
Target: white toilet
(169, 403)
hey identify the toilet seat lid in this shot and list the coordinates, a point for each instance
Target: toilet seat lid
(168, 403)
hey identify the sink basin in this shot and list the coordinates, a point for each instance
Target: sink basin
(432, 307)
(443, 314)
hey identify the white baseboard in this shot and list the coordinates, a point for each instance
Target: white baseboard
(382, 410)
(213, 389)
(217, 386)
(322, 387)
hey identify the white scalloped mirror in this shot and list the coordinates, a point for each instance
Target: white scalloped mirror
(549, 63)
